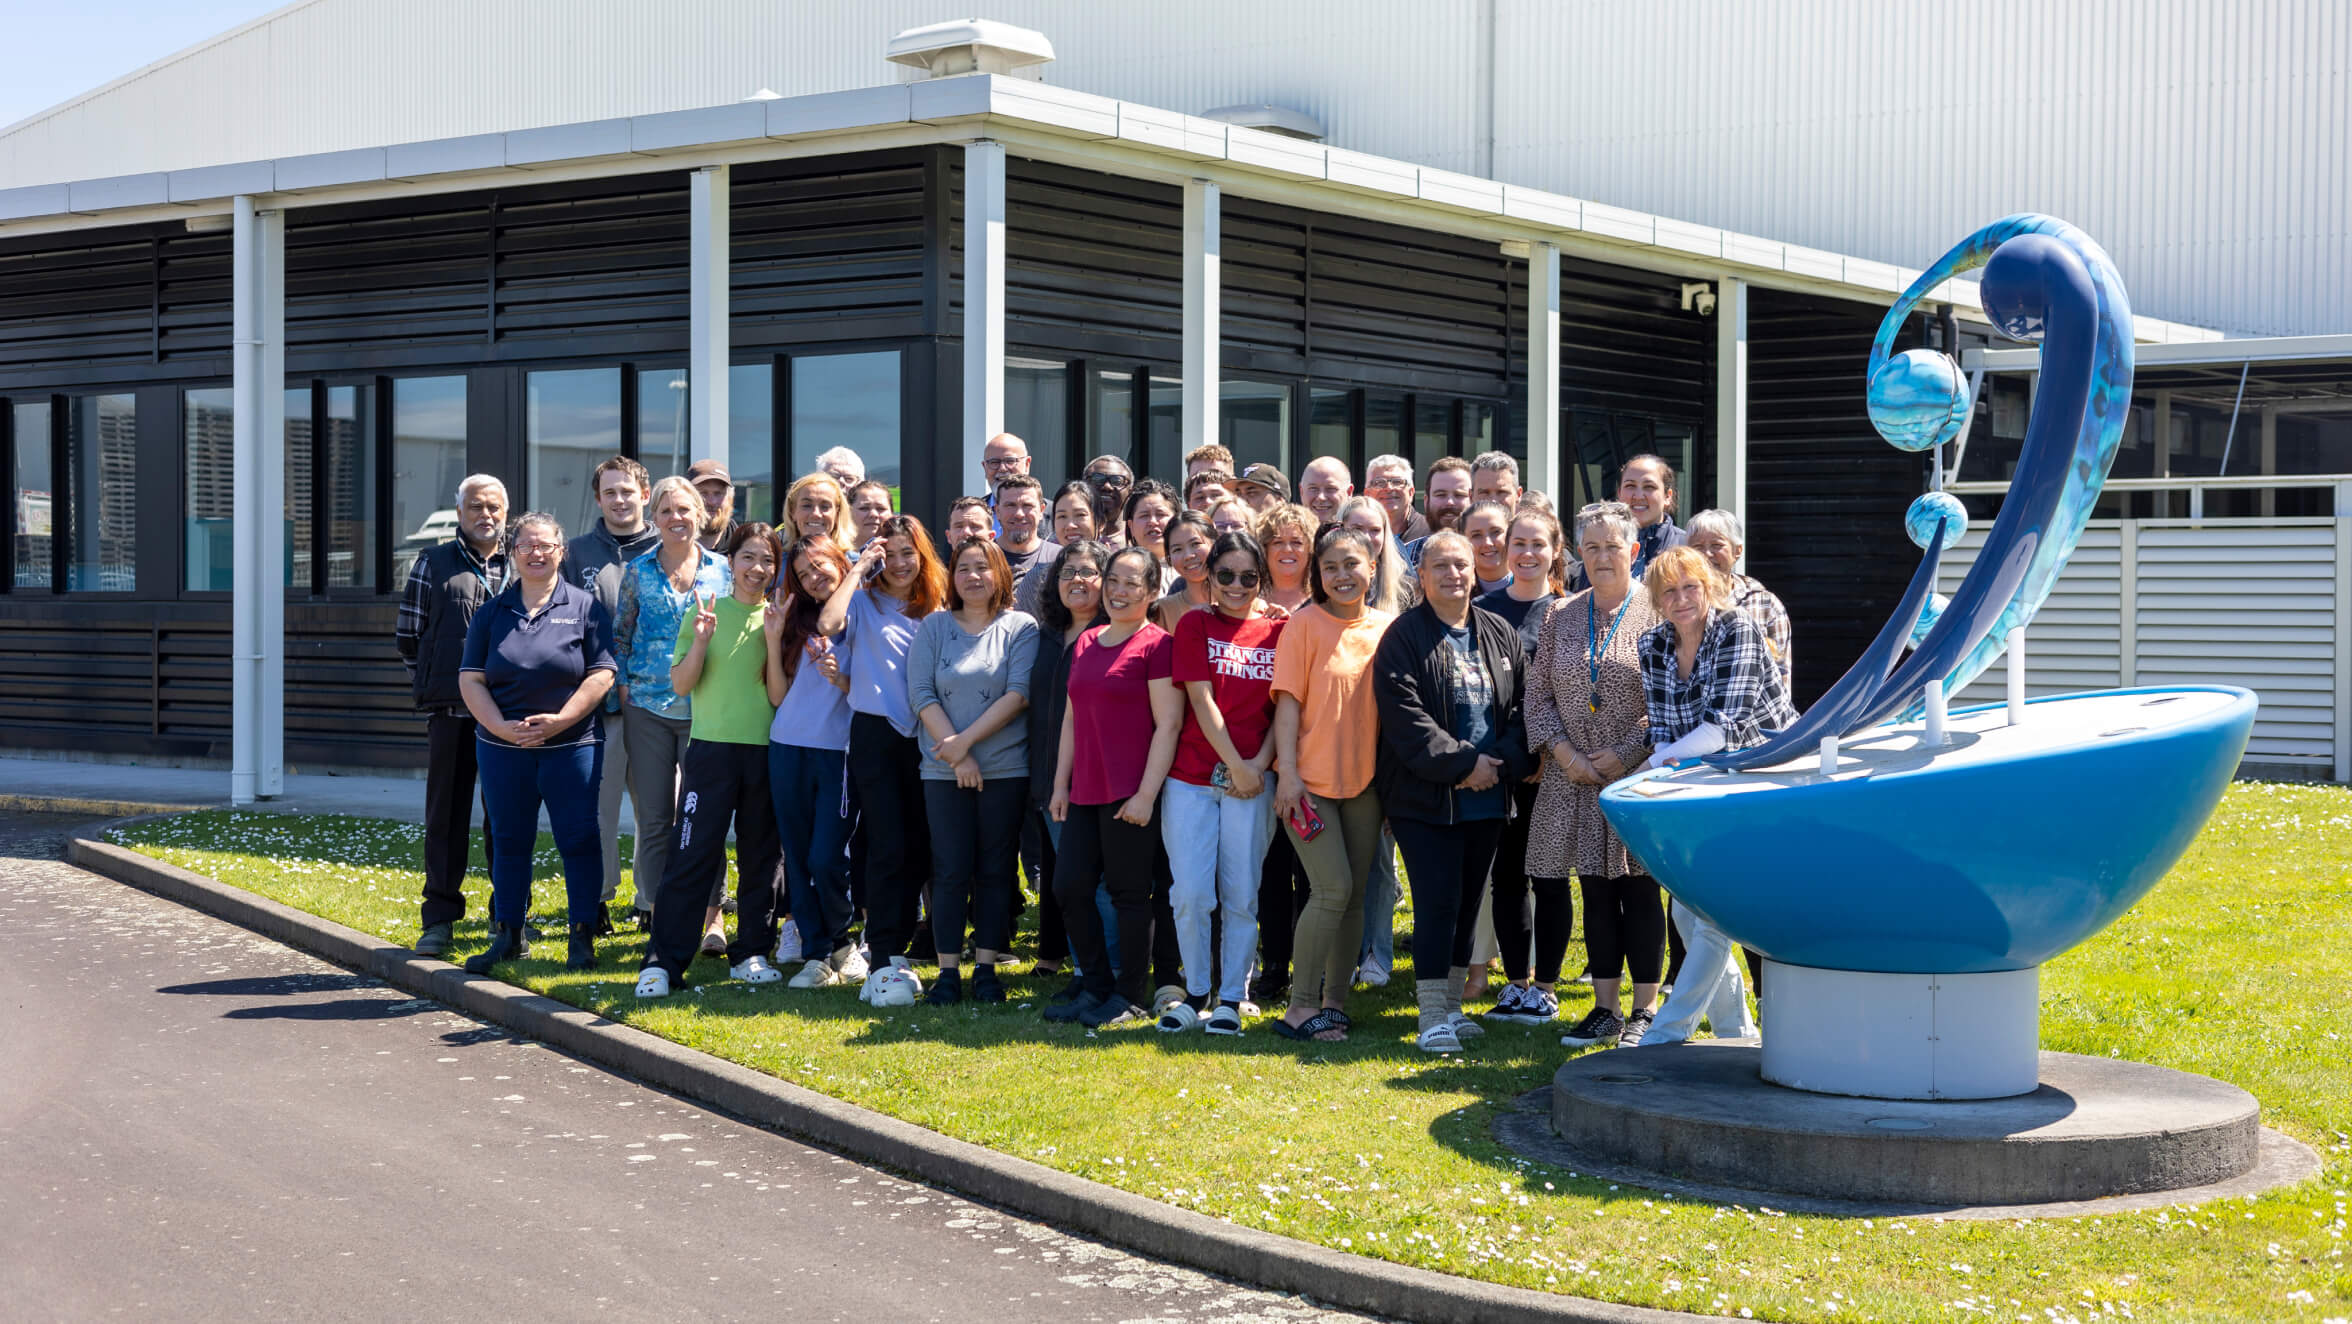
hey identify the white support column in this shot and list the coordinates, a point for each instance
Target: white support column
(707, 340)
(2343, 723)
(1544, 471)
(1204, 309)
(257, 610)
(984, 308)
(1731, 397)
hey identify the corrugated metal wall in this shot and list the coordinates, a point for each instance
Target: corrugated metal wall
(2174, 602)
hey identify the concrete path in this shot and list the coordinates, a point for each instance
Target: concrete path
(21, 779)
(198, 1123)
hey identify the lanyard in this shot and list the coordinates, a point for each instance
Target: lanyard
(1593, 655)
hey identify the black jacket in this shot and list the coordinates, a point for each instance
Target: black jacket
(1421, 761)
(455, 586)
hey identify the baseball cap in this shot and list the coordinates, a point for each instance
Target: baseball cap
(1268, 477)
(708, 471)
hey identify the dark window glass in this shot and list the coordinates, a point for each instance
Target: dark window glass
(1114, 417)
(348, 455)
(1164, 431)
(751, 436)
(1384, 430)
(572, 420)
(662, 414)
(101, 461)
(33, 488)
(301, 457)
(847, 400)
(1253, 421)
(1331, 426)
(208, 426)
(1037, 410)
(1433, 426)
(428, 462)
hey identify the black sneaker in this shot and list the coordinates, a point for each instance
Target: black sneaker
(1636, 1025)
(947, 990)
(1599, 1026)
(1113, 1012)
(1064, 1013)
(1071, 995)
(602, 925)
(986, 987)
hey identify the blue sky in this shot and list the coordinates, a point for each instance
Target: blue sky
(61, 50)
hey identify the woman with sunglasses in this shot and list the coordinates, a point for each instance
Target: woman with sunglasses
(1218, 814)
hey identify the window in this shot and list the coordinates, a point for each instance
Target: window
(1433, 431)
(1163, 439)
(572, 420)
(208, 445)
(347, 461)
(848, 400)
(1384, 428)
(1331, 424)
(101, 468)
(35, 552)
(751, 438)
(428, 462)
(663, 411)
(1114, 416)
(1253, 421)
(1037, 410)
(301, 454)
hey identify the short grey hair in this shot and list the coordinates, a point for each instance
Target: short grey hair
(1722, 523)
(846, 466)
(1493, 460)
(1615, 516)
(1379, 462)
(473, 481)
(541, 519)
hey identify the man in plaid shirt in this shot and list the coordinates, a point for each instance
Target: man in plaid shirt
(446, 585)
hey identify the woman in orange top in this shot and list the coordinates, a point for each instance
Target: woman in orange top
(1326, 740)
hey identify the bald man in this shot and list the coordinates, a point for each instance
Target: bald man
(1323, 485)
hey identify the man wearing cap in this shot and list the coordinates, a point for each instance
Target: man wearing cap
(718, 500)
(1262, 487)
(1323, 485)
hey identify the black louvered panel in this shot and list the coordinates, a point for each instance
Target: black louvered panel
(828, 250)
(1825, 494)
(195, 293)
(1414, 307)
(582, 262)
(1094, 264)
(346, 690)
(77, 302)
(1626, 344)
(1264, 260)
(380, 281)
(194, 698)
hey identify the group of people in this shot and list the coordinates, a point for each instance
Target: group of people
(1203, 721)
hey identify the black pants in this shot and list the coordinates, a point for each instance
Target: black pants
(1282, 896)
(1446, 865)
(887, 771)
(1040, 858)
(449, 815)
(1097, 845)
(718, 784)
(1624, 926)
(975, 843)
(1555, 912)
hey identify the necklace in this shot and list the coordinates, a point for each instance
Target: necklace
(1593, 652)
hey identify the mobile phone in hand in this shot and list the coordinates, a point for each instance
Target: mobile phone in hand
(1305, 821)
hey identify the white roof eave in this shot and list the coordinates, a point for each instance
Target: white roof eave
(1106, 132)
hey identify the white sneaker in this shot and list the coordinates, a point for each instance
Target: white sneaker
(1372, 974)
(653, 982)
(850, 964)
(788, 943)
(816, 974)
(755, 969)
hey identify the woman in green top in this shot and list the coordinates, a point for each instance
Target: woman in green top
(721, 662)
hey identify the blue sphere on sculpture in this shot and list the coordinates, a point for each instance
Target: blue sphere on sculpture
(1920, 520)
(1917, 399)
(1930, 612)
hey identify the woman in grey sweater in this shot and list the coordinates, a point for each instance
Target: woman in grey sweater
(968, 683)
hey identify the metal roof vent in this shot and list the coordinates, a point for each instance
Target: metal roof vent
(1270, 119)
(971, 46)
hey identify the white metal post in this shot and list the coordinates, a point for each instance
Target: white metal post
(1544, 472)
(1731, 397)
(1204, 316)
(257, 615)
(707, 341)
(984, 306)
(2016, 675)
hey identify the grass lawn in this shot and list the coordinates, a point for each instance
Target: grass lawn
(2236, 966)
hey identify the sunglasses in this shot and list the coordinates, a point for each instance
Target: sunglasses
(1109, 480)
(1245, 578)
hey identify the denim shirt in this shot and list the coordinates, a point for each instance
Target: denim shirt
(651, 612)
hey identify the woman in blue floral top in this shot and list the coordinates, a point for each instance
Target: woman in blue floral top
(658, 591)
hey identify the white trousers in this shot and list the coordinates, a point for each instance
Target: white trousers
(1710, 986)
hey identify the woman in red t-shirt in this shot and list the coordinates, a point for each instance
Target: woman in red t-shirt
(1219, 813)
(1118, 739)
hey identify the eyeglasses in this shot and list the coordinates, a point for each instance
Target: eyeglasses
(1245, 578)
(1109, 479)
(1076, 575)
(1388, 484)
(1008, 462)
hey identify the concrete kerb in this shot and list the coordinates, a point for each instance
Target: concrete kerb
(1119, 1217)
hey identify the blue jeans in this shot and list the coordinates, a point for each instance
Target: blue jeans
(515, 783)
(1216, 852)
(814, 816)
(1380, 894)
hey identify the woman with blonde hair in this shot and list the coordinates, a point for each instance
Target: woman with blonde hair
(816, 506)
(1287, 533)
(1393, 586)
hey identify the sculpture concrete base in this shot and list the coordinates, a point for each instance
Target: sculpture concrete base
(2093, 1128)
(1888, 1036)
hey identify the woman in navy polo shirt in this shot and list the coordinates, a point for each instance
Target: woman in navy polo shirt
(538, 662)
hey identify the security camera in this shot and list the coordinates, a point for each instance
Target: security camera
(1698, 297)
